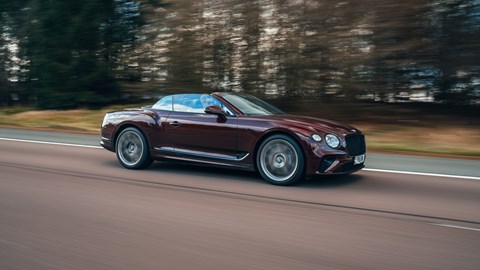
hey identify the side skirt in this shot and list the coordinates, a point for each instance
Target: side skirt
(220, 160)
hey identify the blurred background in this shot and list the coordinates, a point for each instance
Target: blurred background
(405, 72)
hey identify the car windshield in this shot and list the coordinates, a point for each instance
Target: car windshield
(251, 105)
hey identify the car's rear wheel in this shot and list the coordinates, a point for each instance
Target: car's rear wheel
(280, 160)
(131, 148)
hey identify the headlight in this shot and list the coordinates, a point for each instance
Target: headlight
(332, 140)
(317, 137)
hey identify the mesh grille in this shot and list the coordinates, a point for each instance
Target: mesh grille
(355, 145)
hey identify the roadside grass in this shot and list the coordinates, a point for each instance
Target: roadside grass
(436, 137)
(436, 140)
(79, 120)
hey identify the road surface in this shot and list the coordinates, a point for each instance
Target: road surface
(70, 207)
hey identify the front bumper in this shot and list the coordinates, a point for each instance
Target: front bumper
(323, 160)
(338, 164)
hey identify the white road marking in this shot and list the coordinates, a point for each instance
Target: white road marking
(54, 143)
(365, 169)
(457, 227)
(423, 174)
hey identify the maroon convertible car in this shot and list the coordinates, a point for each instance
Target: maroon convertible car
(234, 130)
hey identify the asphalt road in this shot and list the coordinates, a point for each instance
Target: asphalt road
(69, 207)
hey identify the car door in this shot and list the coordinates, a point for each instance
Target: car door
(196, 134)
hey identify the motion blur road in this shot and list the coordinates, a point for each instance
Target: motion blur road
(70, 207)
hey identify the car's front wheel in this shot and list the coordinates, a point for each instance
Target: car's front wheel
(131, 148)
(280, 160)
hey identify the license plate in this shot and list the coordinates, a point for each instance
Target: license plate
(359, 159)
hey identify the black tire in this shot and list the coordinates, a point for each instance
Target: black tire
(280, 160)
(131, 148)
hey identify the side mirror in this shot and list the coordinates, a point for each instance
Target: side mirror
(215, 110)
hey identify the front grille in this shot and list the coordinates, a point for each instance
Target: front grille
(355, 144)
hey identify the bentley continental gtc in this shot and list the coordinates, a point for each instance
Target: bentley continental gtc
(233, 130)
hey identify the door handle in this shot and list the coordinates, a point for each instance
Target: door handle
(175, 123)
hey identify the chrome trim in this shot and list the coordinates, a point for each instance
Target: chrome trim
(186, 152)
(239, 157)
(165, 149)
(334, 164)
(201, 161)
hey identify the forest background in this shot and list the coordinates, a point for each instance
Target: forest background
(407, 72)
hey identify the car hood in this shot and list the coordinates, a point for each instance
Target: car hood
(314, 124)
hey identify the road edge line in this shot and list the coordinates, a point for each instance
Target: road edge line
(53, 143)
(456, 227)
(423, 174)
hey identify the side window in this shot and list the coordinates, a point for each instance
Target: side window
(164, 103)
(195, 103)
(187, 103)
